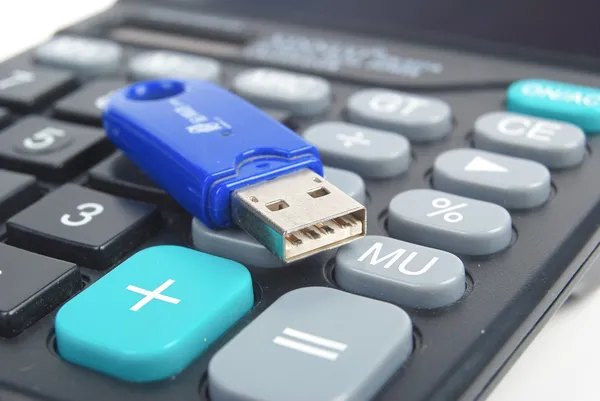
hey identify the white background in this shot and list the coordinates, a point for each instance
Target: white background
(561, 364)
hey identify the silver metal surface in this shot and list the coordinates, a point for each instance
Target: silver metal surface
(298, 215)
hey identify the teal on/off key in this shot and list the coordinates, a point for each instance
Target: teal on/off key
(153, 314)
(579, 105)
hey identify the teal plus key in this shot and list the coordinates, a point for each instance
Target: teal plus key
(153, 314)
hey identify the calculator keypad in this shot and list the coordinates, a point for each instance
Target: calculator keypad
(440, 260)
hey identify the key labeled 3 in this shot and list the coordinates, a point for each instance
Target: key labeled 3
(83, 226)
(454, 223)
(552, 143)
(400, 272)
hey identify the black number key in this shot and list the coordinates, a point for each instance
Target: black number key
(50, 149)
(86, 104)
(83, 226)
(31, 285)
(27, 88)
(16, 192)
(118, 175)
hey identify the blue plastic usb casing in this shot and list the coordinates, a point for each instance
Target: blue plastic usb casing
(201, 142)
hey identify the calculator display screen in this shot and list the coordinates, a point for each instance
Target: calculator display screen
(552, 25)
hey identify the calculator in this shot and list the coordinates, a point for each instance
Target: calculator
(470, 134)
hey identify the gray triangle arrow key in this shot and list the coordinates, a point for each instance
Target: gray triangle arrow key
(505, 180)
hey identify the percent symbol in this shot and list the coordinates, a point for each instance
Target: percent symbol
(446, 208)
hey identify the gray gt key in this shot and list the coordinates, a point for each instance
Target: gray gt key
(302, 95)
(552, 143)
(416, 117)
(317, 344)
(508, 181)
(454, 223)
(166, 64)
(88, 57)
(366, 151)
(400, 272)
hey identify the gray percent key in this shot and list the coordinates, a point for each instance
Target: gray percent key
(450, 222)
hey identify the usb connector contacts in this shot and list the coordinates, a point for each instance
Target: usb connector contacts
(298, 214)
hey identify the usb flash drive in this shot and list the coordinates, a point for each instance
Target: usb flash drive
(227, 162)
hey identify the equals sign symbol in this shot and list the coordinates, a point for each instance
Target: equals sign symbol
(311, 344)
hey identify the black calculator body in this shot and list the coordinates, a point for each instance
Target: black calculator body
(460, 349)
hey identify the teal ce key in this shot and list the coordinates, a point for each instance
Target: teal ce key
(576, 104)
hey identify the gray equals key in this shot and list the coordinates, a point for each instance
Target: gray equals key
(313, 344)
(505, 180)
(450, 222)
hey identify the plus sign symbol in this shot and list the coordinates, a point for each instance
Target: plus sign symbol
(358, 138)
(150, 295)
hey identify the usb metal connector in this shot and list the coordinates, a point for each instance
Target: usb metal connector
(298, 214)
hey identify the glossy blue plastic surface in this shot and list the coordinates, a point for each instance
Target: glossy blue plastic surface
(200, 142)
